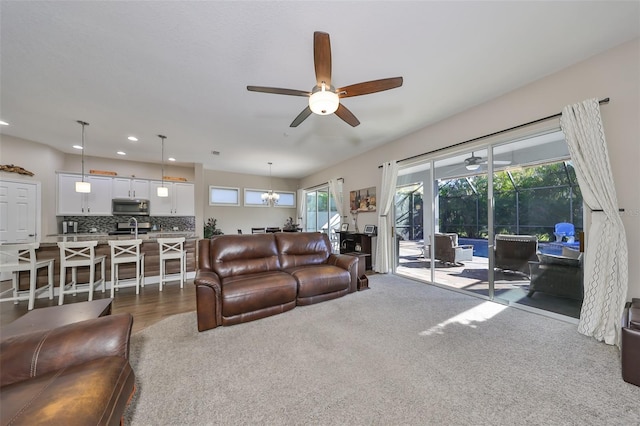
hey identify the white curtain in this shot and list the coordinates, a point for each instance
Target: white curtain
(302, 206)
(335, 188)
(385, 202)
(606, 257)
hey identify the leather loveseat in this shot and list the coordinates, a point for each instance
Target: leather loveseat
(630, 348)
(247, 277)
(70, 375)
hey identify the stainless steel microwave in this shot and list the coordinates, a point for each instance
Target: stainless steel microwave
(128, 207)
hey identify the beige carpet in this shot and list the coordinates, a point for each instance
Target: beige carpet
(402, 353)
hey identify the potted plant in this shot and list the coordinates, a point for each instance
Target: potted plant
(290, 225)
(211, 229)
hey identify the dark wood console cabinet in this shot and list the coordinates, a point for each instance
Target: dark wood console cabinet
(355, 242)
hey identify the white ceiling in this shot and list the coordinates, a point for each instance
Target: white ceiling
(180, 68)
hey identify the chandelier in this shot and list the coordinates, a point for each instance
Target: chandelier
(270, 198)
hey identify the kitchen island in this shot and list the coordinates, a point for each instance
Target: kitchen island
(49, 250)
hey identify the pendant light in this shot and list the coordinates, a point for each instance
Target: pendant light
(270, 198)
(162, 191)
(82, 186)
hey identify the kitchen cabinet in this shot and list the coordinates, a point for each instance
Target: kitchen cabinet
(72, 203)
(130, 188)
(180, 202)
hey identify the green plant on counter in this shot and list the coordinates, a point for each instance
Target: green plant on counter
(210, 228)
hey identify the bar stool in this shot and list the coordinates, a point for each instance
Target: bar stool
(172, 248)
(15, 258)
(126, 251)
(74, 255)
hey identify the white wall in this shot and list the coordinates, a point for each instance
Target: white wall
(42, 161)
(230, 219)
(614, 74)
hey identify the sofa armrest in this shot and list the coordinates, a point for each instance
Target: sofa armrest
(630, 354)
(632, 314)
(208, 299)
(33, 354)
(349, 263)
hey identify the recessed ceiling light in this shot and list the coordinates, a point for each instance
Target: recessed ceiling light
(171, 159)
(3, 123)
(77, 146)
(121, 153)
(133, 139)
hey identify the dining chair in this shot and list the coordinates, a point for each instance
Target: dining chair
(15, 258)
(257, 230)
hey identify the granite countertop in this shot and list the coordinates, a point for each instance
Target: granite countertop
(104, 238)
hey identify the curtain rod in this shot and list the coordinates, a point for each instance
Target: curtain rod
(603, 101)
(321, 184)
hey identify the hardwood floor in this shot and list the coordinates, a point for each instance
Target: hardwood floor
(147, 308)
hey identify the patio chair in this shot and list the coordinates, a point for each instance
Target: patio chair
(564, 229)
(513, 252)
(447, 249)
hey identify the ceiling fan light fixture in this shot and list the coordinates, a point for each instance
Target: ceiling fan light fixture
(473, 166)
(323, 101)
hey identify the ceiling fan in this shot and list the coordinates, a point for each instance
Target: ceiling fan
(324, 99)
(474, 163)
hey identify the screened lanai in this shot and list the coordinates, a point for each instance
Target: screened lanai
(529, 187)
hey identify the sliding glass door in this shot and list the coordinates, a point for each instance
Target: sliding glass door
(322, 214)
(488, 216)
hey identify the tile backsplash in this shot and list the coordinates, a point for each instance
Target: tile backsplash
(105, 224)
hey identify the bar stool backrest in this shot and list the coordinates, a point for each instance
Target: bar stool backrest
(171, 248)
(125, 250)
(77, 253)
(18, 257)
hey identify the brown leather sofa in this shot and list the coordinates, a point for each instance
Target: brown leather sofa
(630, 348)
(70, 375)
(247, 277)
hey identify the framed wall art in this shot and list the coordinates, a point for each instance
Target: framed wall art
(363, 200)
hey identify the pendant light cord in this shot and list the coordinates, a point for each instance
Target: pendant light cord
(162, 137)
(83, 123)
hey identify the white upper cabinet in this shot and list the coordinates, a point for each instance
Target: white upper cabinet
(180, 202)
(72, 203)
(130, 188)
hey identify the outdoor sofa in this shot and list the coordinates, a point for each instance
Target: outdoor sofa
(247, 277)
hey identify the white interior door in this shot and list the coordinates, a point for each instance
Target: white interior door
(18, 211)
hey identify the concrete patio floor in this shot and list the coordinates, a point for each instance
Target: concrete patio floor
(472, 276)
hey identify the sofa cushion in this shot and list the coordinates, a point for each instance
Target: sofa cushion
(550, 259)
(302, 248)
(252, 292)
(95, 392)
(320, 279)
(243, 254)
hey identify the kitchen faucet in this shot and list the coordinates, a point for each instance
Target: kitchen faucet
(135, 221)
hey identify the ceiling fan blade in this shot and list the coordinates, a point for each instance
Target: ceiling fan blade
(301, 117)
(322, 58)
(278, 91)
(347, 115)
(369, 87)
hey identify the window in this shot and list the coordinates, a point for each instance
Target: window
(253, 198)
(224, 196)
